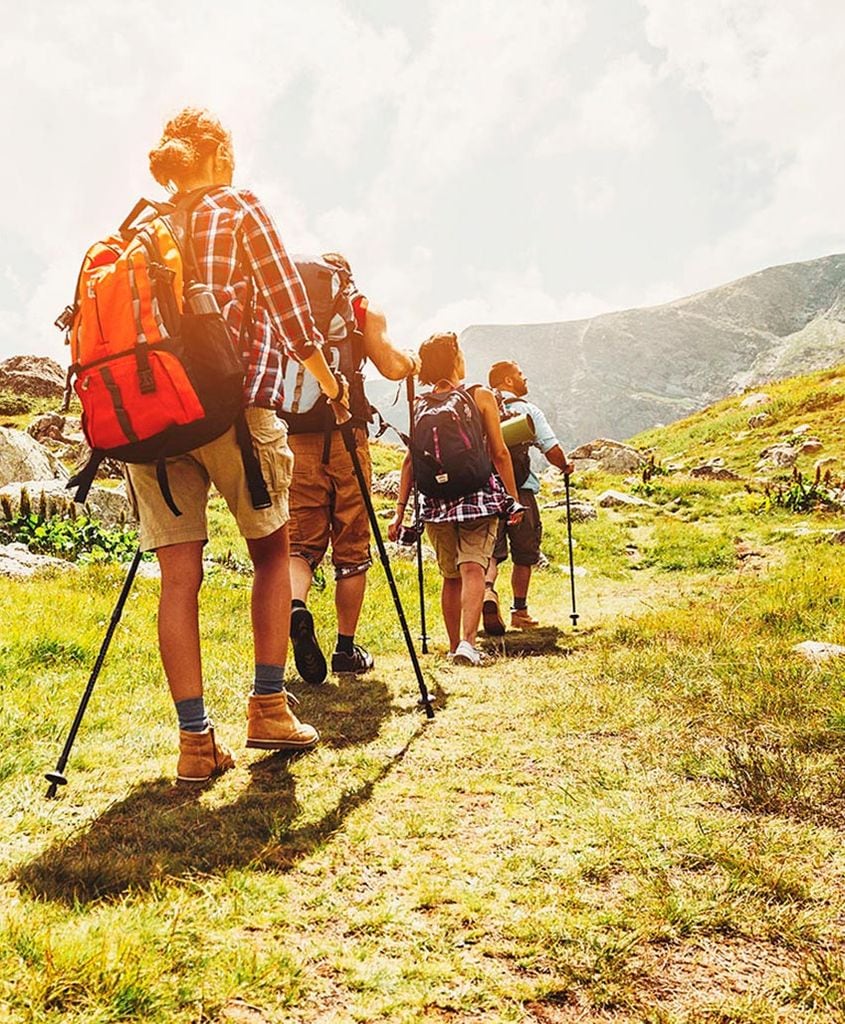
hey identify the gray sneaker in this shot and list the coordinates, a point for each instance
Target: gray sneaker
(466, 654)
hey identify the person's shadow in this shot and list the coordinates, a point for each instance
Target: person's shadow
(163, 830)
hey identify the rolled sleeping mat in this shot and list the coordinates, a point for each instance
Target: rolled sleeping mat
(518, 430)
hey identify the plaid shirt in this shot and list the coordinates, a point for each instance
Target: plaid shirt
(234, 237)
(491, 500)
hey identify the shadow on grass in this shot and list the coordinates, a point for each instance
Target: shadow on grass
(530, 643)
(163, 831)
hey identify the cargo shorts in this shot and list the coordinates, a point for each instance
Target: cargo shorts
(456, 543)
(219, 462)
(326, 505)
(524, 537)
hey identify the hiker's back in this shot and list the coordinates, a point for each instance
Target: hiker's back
(449, 450)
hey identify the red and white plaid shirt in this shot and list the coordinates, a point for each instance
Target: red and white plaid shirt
(233, 237)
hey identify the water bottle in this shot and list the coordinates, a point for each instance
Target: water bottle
(199, 299)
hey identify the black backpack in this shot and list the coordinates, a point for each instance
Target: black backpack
(330, 293)
(520, 453)
(449, 450)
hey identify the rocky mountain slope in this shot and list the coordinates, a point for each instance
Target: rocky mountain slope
(620, 373)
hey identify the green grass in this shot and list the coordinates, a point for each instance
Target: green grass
(637, 820)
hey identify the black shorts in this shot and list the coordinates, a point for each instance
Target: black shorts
(524, 538)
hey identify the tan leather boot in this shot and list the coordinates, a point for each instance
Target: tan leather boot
(271, 725)
(200, 756)
(521, 618)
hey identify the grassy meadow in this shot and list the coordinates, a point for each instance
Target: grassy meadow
(636, 820)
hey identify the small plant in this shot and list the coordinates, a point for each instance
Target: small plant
(14, 405)
(72, 537)
(799, 496)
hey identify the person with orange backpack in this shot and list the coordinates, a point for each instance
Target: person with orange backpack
(178, 334)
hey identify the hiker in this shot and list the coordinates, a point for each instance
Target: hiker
(461, 527)
(238, 251)
(326, 504)
(524, 537)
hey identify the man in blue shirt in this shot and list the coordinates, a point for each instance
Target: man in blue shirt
(524, 538)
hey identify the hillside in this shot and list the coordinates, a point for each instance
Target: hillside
(620, 373)
(638, 820)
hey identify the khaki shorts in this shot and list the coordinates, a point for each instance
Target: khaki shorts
(326, 503)
(455, 543)
(218, 462)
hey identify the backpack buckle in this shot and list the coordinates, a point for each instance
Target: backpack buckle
(146, 380)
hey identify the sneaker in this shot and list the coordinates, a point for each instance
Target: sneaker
(466, 654)
(360, 660)
(310, 661)
(492, 620)
(521, 618)
(200, 756)
(271, 725)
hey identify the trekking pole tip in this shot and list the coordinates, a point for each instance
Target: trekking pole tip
(55, 779)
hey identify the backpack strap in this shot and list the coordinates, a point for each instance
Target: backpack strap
(164, 487)
(258, 492)
(83, 478)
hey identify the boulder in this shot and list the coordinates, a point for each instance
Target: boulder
(812, 446)
(753, 400)
(17, 560)
(581, 511)
(37, 376)
(816, 651)
(713, 470)
(609, 456)
(781, 455)
(387, 484)
(758, 420)
(23, 458)
(108, 505)
(50, 426)
(616, 499)
(825, 465)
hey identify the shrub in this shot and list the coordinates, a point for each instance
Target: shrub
(14, 405)
(75, 538)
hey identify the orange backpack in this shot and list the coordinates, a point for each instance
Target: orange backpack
(153, 361)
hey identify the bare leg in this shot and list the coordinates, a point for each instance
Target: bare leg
(450, 604)
(178, 618)
(472, 597)
(300, 578)
(348, 599)
(520, 579)
(271, 590)
(492, 573)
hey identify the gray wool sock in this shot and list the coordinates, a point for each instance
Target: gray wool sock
(269, 679)
(192, 716)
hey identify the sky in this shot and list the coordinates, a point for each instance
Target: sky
(478, 161)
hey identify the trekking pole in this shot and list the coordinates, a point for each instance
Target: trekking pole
(420, 576)
(574, 615)
(344, 421)
(57, 778)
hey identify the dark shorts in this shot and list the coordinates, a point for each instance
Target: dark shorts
(524, 538)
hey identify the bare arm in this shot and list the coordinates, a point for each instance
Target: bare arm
(378, 347)
(405, 480)
(557, 457)
(499, 453)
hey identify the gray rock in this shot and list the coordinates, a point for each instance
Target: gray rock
(758, 420)
(616, 499)
(51, 425)
(37, 376)
(713, 471)
(817, 652)
(812, 446)
(754, 400)
(23, 458)
(109, 505)
(581, 511)
(825, 465)
(780, 455)
(18, 561)
(609, 456)
(388, 484)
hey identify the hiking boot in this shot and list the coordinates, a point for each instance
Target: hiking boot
(521, 618)
(494, 624)
(271, 725)
(309, 659)
(200, 756)
(360, 660)
(466, 654)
